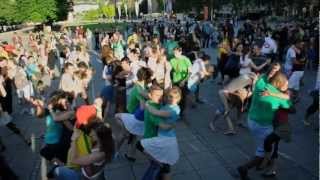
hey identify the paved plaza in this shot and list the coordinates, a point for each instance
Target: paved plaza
(203, 154)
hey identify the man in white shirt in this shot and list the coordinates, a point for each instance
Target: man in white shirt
(291, 57)
(135, 64)
(269, 47)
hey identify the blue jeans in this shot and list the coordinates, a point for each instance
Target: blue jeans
(259, 133)
(64, 173)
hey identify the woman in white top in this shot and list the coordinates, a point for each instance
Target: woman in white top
(246, 64)
(161, 69)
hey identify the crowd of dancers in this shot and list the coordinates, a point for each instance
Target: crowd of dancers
(150, 73)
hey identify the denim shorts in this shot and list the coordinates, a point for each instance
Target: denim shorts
(259, 133)
(64, 173)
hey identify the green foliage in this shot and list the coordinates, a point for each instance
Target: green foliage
(187, 5)
(108, 11)
(37, 10)
(161, 4)
(18, 11)
(63, 9)
(8, 12)
(92, 15)
(105, 26)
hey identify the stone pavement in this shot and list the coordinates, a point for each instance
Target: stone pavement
(203, 155)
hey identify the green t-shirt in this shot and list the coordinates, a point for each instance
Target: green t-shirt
(151, 121)
(180, 68)
(261, 82)
(118, 49)
(134, 98)
(263, 108)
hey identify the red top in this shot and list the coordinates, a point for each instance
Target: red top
(85, 114)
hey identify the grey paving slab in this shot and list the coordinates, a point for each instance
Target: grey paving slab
(203, 160)
(217, 141)
(120, 173)
(296, 174)
(139, 169)
(191, 175)
(118, 163)
(185, 135)
(192, 146)
(182, 166)
(232, 155)
(215, 172)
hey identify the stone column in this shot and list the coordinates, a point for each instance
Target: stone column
(136, 7)
(149, 6)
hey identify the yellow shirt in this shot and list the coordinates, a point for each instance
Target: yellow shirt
(4, 53)
(133, 38)
(83, 145)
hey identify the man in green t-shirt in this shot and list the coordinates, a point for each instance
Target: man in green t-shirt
(263, 108)
(181, 69)
(262, 112)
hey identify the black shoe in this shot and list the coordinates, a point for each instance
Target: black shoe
(131, 159)
(50, 174)
(243, 173)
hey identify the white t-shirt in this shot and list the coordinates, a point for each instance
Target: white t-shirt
(290, 56)
(67, 83)
(244, 65)
(135, 66)
(198, 66)
(269, 46)
(161, 71)
(105, 73)
(157, 69)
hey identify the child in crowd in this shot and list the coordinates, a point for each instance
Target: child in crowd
(163, 149)
(130, 124)
(200, 70)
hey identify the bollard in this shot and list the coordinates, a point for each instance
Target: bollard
(43, 169)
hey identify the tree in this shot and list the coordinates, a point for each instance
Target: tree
(8, 12)
(63, 7)
(19, 11)
(37, 10)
